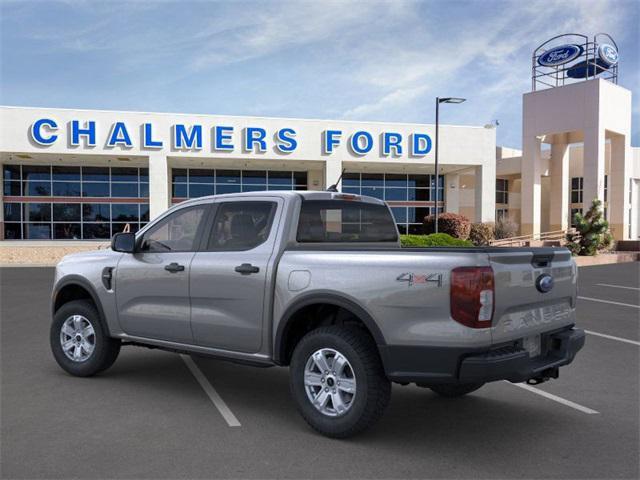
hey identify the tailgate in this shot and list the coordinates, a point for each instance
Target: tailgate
(522, 306)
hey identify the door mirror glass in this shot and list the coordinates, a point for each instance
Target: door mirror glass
(123, 242)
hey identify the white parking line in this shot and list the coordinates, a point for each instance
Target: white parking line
(609, 301)
(555, 398)
(616, 286)
(217, 400)
(611, 337)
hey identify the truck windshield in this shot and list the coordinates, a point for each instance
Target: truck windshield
(345, 221)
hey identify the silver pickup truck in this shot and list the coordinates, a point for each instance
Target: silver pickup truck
(317, 281)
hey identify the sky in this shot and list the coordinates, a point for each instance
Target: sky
(345, 60)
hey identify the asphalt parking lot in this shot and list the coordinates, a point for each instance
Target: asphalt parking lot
(149, 417)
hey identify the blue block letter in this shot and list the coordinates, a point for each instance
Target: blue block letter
(331, 140)
(222, 136)
(392, 140)
(355, 142)
(183, 139)
(36, 131)
(119, 136)
(253, 136)
(147, 138)
(421, 144)
(286, 141)
(89, 131)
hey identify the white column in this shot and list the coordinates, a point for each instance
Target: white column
(485, 192)
(159, 185)
(315, 180)
(452, 193)
(593, 166)
(531, 173)
(619, 186)
(559, 201)
(332, 172)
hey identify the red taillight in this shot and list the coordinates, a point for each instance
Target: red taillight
(472, 296)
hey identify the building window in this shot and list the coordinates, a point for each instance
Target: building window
(73, 202)
(502, 213)
(576, 189)
(194, 182)
(502, 191)
(396, 188)
(606, 187)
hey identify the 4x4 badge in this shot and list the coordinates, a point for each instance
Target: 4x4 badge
(418, 278)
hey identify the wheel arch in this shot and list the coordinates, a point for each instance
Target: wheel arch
(292, 317)
(75, 287)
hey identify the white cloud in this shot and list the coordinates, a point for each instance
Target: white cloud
(280, 25)
(496, 51)
(396, 98)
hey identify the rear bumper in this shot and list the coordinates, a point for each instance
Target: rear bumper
(431, 365)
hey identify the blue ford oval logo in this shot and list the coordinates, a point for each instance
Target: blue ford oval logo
(544, 283)
(608, 54)
(560, 55)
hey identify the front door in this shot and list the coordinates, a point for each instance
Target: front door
(152, 285)
(228, 277)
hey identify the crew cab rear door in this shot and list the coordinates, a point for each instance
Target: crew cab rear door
(229, 275)
(535, 292)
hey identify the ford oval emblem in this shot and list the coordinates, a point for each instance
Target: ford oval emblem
(608, 54)
(544, 283)
(560, 55)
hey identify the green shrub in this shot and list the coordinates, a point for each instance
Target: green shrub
(458, 226)
(481, 234)
(433, 240)
(592, 232)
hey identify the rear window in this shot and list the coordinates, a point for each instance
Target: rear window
(345, 221)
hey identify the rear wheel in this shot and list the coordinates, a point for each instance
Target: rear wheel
(338, 381)
(455, 390)
(79, 340)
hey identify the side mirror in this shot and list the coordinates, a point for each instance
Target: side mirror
(123, 242)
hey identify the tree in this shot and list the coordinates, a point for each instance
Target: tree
(592, 232)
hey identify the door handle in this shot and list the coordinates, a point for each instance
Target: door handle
(174, 268)
(247, 269)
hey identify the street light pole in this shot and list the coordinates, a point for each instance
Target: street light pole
(436, 153)
(437, 196)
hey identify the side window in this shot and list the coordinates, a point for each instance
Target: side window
(176, 233)
(241, 225)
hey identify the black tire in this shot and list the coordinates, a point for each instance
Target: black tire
(105, 351)
(456, 389)
(373, 389)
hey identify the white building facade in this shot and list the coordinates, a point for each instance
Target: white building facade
(86, 174)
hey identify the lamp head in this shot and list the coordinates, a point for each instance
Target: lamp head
(451, 100)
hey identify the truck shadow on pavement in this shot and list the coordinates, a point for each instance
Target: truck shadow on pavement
(493, 417)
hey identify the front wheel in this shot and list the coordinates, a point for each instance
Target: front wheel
(455, 390)
(338, 382)
(79, 340)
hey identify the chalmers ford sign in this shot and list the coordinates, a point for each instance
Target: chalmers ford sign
(220, 138)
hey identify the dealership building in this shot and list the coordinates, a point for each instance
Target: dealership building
(84, 174)
(87, 174)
